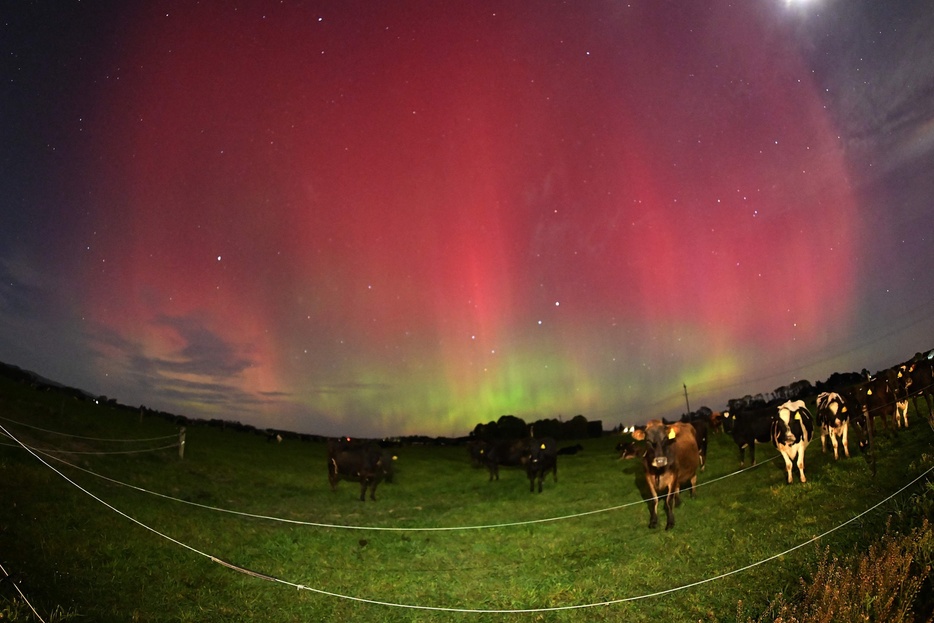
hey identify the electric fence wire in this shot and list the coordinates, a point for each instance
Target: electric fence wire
(21, 594)
(377, 602)
(53, 432)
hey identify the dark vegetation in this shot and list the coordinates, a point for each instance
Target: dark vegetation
(76, 559)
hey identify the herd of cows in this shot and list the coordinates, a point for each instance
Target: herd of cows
(673, 452)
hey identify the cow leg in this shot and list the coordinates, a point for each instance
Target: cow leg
(541, 477)
(800, 466)
(669, 507)
(363, 489)
(846, 447)
(693, 484)
(752, 453)
(333, 475)
(788, 466)
(653, 506)
(833, 442)
(823, 439)
(373, 489)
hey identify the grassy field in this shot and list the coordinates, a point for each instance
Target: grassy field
(86, 548)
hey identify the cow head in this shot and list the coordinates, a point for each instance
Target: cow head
(658, 437)
(787, 428)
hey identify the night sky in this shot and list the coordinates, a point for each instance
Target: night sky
(377, 218)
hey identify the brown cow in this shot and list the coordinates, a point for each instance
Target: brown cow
(671, 458)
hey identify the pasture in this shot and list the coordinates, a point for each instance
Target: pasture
(82, 545)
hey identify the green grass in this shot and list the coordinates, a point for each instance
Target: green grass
(75, 557)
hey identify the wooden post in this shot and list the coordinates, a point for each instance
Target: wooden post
(181, 442)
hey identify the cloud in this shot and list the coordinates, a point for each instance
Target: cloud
(205, 353)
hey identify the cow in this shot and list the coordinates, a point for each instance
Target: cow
(898, 380)
(671, 458)
(630, 450)
(700, 434)
(791, 431)
(749, 427)
(492, 454)
(857, 419)
(876, 398)
(357, 461)
(716, 422)
(541, 457)
(834, 419)
(921, 374)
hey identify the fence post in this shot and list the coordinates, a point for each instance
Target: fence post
(181, 442)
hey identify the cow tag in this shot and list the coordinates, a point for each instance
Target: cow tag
(671, 434)
(844, 409)
(798, 416)
(542, 446)
(869, 392)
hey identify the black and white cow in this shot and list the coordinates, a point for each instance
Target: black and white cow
(792, 430)
(899, 381)
(834, 419)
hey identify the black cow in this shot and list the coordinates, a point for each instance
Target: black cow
(857, 418)
(749, 427)
(492, 454)
(792, 430)
(357, 461)
(921, 374)
(700, 435)
(542, 457)
(671, 458)
(833, 415)
(630, 450)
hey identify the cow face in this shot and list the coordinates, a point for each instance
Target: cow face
(782, 427)
(658, 437)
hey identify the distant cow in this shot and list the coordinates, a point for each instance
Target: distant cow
(542, 457)
(568, 450)
(749, 427)
(357, 461)
(716, 422)
(492, 454)
(792, 430)
(630, 450)
(671, 458)
(834, 419)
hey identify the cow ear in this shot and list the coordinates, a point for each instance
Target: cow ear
(638, 434)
